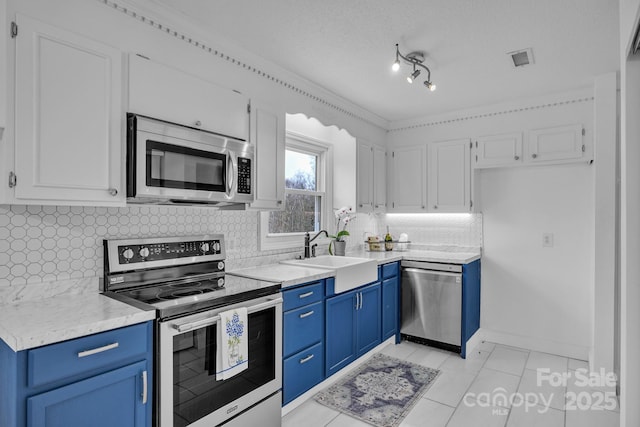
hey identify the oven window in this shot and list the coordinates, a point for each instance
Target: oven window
(196, 393)
(174, 166)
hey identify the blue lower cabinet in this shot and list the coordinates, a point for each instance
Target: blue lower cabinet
(302, 371)
(303, 339)
(100, 380)
(341, 331)
(354, 325)
(470, 302)
(390, 308)
(116, 398)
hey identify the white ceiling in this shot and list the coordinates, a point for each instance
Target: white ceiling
(348, 47)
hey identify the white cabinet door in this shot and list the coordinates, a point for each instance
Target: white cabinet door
(553, 144)
(364, 183)
(450, 176)
(165, 93)
(268, 136)
(498, 150)
(409, 180)
(69, 121)
(379, 179)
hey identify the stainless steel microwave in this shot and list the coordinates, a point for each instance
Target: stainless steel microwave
(169, 163)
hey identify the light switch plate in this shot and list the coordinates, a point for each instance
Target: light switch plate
(547, 240)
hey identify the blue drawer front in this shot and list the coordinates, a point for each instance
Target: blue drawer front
(294, 298)
(302, 371)
(66, 359)
(303, 327)
(389, 270)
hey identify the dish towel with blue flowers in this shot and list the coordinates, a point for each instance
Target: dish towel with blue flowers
(232, 354)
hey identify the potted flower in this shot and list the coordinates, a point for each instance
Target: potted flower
(343, 215)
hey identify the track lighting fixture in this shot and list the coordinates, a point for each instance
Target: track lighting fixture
(416, 60)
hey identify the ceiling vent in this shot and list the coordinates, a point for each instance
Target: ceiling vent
(521, 58)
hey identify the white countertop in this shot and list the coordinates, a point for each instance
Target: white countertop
(287, 275)
(30, 324)
(291, 275)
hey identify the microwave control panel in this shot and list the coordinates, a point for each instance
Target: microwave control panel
(131, 254)
(244, 175)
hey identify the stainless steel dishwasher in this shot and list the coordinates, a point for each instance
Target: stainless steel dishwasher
(432, 303)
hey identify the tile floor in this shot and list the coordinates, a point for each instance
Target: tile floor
(495, 386)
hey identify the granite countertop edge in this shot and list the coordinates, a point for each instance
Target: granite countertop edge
(30, 324)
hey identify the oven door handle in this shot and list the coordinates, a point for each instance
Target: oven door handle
(211, 320)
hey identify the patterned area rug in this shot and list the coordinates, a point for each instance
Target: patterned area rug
(381, 392)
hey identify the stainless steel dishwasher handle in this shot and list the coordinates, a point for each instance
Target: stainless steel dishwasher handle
(425, 271)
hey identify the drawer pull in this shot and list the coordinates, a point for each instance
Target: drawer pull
(145, 390)
(307, 314)
(308, 294)
(306, 359)
(98, 350)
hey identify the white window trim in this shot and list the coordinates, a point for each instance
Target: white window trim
(325, 177)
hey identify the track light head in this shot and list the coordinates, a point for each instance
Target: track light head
(430, 85)
(395, 66)
(413, 75)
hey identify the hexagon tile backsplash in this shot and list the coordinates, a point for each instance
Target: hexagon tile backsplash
(45, 243)
(60, 247)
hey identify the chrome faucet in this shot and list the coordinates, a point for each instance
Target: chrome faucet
(308, 240)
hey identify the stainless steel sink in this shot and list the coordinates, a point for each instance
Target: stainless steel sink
(350, 272)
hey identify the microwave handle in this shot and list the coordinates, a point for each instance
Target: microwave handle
(231, 173)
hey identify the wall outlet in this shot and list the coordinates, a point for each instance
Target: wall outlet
(547, 240)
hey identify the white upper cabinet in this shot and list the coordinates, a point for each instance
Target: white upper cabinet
(409, 179)
(268, 136)
(69, 118)
(555, 144)
(372, 178)
(498, 150)
(165, 93)
(379, 179)
(364, 185)
(449, 176)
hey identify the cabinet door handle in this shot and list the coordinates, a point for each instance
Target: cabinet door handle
(145, 389)
(98, 350)
(516, 158)
(357, 300)
(113, 191)
(307, 314)
(306, 359)
(305, 295)
(198, 123)
(361, 300)
(534, 155)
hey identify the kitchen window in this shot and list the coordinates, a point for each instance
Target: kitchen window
(306, 172)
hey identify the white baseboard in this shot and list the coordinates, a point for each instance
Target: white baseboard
(335, 377)
(531, 343)
(473, 342)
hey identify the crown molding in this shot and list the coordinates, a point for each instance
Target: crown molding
(503, 109)
(170, 22)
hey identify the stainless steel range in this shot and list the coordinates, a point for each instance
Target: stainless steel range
(183, 279)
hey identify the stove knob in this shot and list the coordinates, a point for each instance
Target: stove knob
(221, 282)
(128, 253)
(204, 247)
(144, 252)
(216, 246)
(221, 266)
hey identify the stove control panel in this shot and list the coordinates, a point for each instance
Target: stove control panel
(131, 254)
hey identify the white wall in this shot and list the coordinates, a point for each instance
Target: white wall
(630, 218)
(529, 291)
(532, 296)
